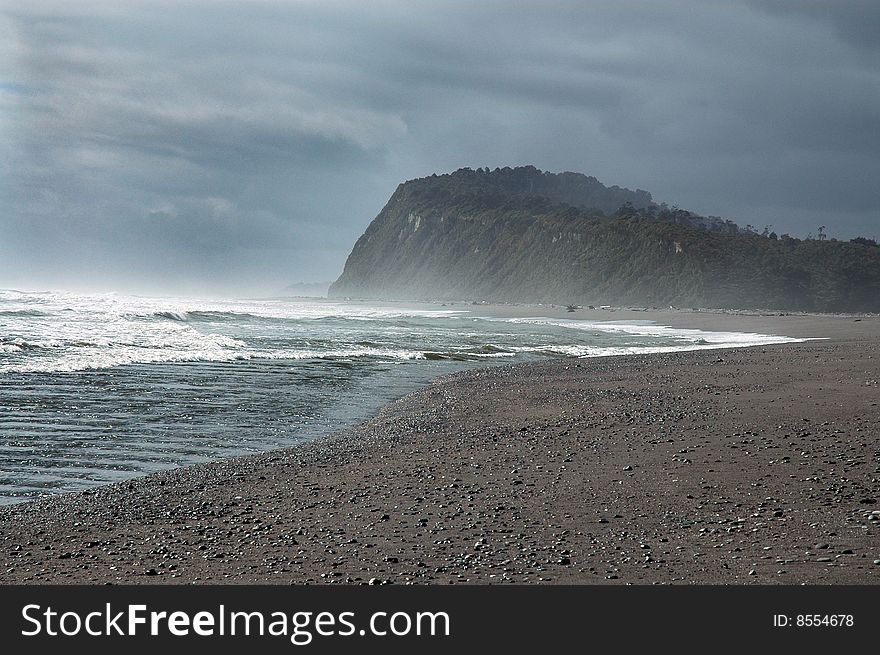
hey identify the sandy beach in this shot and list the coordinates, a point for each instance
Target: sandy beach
(749, 466)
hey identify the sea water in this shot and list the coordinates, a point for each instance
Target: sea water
(100, 388)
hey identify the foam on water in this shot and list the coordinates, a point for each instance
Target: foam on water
(75, 332)
(682, 338)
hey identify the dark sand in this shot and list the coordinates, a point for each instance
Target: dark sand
(757, 465)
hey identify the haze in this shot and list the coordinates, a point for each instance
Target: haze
(237, 147)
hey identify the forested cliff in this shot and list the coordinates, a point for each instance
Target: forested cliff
(522, 235)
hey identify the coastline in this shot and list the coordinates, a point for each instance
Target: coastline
(751, 465)
(802, 325)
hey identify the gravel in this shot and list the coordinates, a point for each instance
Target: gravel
(672, 468)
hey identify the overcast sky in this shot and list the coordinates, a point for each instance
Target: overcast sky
(211, 147)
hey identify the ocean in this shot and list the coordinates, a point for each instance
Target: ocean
(101, 388)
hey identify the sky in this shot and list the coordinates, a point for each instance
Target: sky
(213, 147)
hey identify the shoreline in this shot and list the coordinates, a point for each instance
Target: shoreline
(765, 321)
(444, 485)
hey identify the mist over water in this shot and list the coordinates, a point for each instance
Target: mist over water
(100, 388)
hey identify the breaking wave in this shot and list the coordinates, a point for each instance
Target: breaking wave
(69, 332)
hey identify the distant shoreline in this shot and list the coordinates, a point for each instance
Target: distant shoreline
(703, 466)
(765, 321)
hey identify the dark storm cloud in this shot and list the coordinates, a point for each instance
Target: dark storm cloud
(854, 21)
(219, 145)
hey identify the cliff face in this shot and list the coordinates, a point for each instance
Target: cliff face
(520, 235)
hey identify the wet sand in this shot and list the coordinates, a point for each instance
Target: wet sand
(755, 465)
